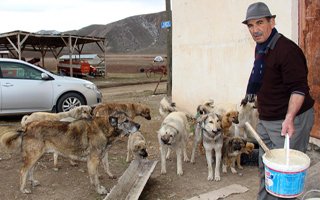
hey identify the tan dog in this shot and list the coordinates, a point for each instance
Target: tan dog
(232, 148)
(80, 112)
(132, 109)
(210, 132)
(137, 146)
(227, 120)
(173, 134)
(247, 113)
(83, 140)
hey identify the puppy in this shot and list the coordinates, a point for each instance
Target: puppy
(166, 107)
(173, 134)
(132, 109)
(83, 140)
(247, 150)
(137, 146)
(232, 148)
(80, 112)
(209, 126)
(227, 120)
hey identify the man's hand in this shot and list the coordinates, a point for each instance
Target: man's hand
(288, 126)
(248, 98)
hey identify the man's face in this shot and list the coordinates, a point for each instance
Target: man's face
(260, 29)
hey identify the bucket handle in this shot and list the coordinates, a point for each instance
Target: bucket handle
(287, 148)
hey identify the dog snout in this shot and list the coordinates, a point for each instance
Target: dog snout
(148, 117)
(165, 140)
(143, 153)
(137, 126)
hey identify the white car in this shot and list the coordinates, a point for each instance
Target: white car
(26, 88)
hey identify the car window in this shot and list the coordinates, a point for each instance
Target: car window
(13, 70)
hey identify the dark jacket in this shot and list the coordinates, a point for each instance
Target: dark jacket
(285, 72)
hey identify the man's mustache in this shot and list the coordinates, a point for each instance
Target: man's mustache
(257, 34)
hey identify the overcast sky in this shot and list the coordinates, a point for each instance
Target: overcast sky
(64, 15)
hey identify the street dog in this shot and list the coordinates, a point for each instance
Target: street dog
(137, 146)
(205, 108)
(132, 109)
(227, 120)
(247, 113)
(166, 107)
(247, 150)
(173, 134)
(79, 112)
(232, 148)
(83, 140)
(209, 129)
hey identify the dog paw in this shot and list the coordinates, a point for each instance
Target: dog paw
(180, 173)
(210, 178)
(233, 170)
(224, 169)
(73, 163)
(163, 171)
(35, 183)
(102, 190)
(25, 191)
(186, 159)
(111, 176)
(55, 169)
(217, 178)
(240, 167)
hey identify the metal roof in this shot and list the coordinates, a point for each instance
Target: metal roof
(19, 41)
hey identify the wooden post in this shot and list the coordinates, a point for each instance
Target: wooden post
(169, 49)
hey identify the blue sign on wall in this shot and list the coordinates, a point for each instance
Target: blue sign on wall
(166, 24)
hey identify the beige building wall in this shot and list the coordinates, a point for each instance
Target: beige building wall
(212, 51)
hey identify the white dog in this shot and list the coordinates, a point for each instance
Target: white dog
(173, 134)
(209, 129)
(166, 107)
(137, 146)
(80, 112)
(247, 113)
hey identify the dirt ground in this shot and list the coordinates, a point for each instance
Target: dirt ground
(72, 182)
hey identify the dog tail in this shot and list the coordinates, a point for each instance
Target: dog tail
(11, 140)
(24, 120)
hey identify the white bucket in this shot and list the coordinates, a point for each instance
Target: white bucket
(282, 179)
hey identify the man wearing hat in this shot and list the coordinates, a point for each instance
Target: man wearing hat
(279, 84)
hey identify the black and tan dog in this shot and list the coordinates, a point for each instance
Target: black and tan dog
(132, 109)
(232, 148)
(83, 140)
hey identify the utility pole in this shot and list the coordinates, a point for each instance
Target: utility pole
(169, 48)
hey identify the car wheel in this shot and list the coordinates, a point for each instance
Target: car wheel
(69, 101)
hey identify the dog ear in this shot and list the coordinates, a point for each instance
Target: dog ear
(113, 121)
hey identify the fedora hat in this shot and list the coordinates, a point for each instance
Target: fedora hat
(256, 11)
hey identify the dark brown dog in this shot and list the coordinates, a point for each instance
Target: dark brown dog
(232, 147)
(83, 140)
(132, 109)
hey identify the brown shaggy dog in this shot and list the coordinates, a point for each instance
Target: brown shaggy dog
(137, 146)
(132, 109)
(83, 140)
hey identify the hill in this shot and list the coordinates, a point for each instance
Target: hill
(133, 35)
